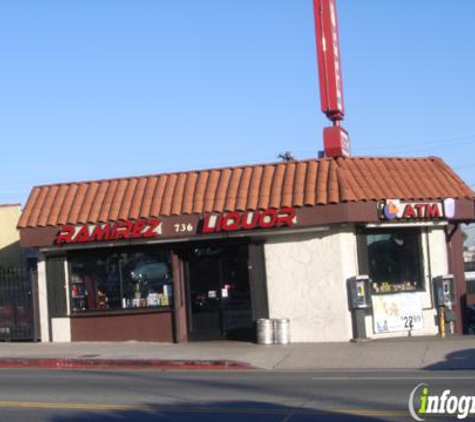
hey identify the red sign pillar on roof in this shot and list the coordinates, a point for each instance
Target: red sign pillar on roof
(336, 140)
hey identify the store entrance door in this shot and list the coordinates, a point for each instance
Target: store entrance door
(219, 294)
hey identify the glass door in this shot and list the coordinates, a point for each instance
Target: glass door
(219, 294)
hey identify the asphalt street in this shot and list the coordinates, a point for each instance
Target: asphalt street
(77, 396)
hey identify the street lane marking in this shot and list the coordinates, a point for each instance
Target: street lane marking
(409, 378)
(72, 406)
(184, 409)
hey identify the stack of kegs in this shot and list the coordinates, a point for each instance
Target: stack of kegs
(273, 331)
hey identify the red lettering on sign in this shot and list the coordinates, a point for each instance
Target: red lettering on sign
(152, 227)
(420, 208)
(268, 219)
(83, 235)
(230, 221)
(432, 211)
(409, 212)
(100, 233)
(249, 220)
(207, 226)
(109, 231)
(65, 235)
(122, 230)
(286, 217)
(254, 220)
(137, 229)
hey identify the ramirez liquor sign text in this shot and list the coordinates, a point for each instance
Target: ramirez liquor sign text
(395, 209)
(249, 220)
(140, 229)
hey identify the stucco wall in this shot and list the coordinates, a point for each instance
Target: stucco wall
(43, 300)
(10, 250)
(306, 281)
(61, 329)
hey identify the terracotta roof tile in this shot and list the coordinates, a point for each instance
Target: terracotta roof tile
(321, 190)
(178, 194)
(98, 202)
(211, 188)
(311, 184)
(38, 208)
(296, 183)
(57, 205)
(117, 201)
(107, 204)
(31, 204)
(243, 192)
(220, 196)
(299, 184)
(265, 188)
(126, 204)
(78, 202)
(188, 196)
(48, 204)
(233, 190)
(276, 191)
(158, 196)
(88, 202)
(169, 190)
(253, 193)
(198, 200)
(148, 197)
(137, 199)
(288, 187)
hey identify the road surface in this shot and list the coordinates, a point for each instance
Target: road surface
(107, 396)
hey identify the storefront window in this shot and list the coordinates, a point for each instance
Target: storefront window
(105, 280)
(393, 260)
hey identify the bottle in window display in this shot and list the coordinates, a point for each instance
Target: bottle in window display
(78, 293)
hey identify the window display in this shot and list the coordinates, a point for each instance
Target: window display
(120, 280)
(393, 260)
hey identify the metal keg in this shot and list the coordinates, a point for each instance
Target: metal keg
(265, 331)
(282, 331)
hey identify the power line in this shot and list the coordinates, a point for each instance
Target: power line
(466, 166)
(438, 141)
(401, 150)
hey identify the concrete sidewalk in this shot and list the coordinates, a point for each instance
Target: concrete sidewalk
(401, 353)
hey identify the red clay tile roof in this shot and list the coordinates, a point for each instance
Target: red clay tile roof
(296, 183)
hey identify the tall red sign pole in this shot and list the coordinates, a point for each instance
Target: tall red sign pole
(335, 138)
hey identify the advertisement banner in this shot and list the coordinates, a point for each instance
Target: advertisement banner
(397, 312)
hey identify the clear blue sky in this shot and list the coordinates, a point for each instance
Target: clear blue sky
(95, 89)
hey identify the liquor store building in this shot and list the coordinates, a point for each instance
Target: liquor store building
(201, 255)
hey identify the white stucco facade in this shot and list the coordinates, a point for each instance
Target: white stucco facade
(61, 329)
(43, 300)
(306, 280)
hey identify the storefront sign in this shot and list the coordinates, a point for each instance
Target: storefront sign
(141, 229)
(393, 209)
(397, 312)
(249, 220)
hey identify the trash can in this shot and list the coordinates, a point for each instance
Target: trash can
(265, 331)
(282, 331)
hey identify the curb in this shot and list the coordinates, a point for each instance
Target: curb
(154, 364)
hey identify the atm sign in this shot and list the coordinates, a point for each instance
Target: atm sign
(393, 209)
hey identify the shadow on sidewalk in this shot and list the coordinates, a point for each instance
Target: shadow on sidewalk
(214, 411)
(461, 359)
